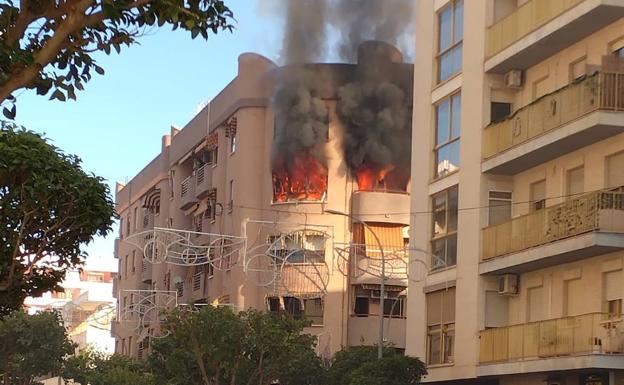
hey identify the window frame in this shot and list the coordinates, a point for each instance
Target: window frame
(498, 199)
(447, 234)
(450, 139)
(452, 4)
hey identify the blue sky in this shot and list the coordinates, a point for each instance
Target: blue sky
(116, 124)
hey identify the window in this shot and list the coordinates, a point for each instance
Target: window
(130, 345)
(361, 307)
(537, 197)
(499, 207)
(212, 156)
(231, 200)
(313, 310)
(575, 182)
(615, 170)
(123, 346)
(167, 280)
(273, 304)
(394, 307)
(448, 127)
(95, 277)
(440, 326)
(450, 36)
(136, 218)
(299, 247)
(499, 111)
(444, 240)
(171, 183)
(292, 306)
(619, 53)
(125, 269)
(133, 261)
(128, 226)
(612, 289)
(232, 142)
(121, 227)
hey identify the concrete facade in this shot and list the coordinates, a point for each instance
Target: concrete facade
(537, 283)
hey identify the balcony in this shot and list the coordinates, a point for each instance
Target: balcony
(556, 344)
(363, 263)
(367, 206)
(575, 116)
(538, 29)
(187, 193)
(590, 225)
(365, 331)
(203, 181)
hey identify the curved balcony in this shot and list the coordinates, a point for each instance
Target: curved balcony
(590, 225)
(575, 116)
(538, 29)
(370, 206)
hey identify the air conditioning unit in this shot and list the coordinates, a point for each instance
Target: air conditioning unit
(513, 79)
(508, 284)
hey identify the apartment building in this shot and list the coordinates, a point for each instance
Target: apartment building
(519, 115)
(86, 304)
(231, 214)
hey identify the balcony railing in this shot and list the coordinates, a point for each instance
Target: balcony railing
(600, 91)
(185, 188)
(524, 20)
(567, 219)
(595, 333)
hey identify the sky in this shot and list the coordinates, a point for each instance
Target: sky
(117, 123)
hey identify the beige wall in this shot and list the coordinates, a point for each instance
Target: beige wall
(478, 304)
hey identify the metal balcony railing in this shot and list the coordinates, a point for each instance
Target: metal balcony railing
(594, 333)
(524, 20)
(184, 187)
(567, 219)
(600, 91)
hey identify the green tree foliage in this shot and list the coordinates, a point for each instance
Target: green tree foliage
(217, 346)
(359, 365)
(32, 346)
(47, 45)
(49, 208)
(94, 368)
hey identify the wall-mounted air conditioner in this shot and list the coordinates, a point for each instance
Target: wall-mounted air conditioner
(508, 284)
(513, 79)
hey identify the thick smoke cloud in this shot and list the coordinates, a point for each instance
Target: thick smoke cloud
(362, 20)
(374, 109)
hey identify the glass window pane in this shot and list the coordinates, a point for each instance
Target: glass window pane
(456, 116)
(456, 55)
(435, 342)
(452, 209)
(446, 66)
(446, 28)
(442, 122)
(499, 211)
(451, 250)
(458, 30)
(449, 342)
(439, 250)
(439, 214)
(447, 158)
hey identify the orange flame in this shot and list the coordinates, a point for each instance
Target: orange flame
(386, 178)
(305, 178)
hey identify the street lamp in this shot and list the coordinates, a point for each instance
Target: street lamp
(382, 286)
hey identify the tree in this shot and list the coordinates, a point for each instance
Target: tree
(48, 44)
(216, 346)
(359, 365)
(49, 208)
(95, 368)
(32, 346)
